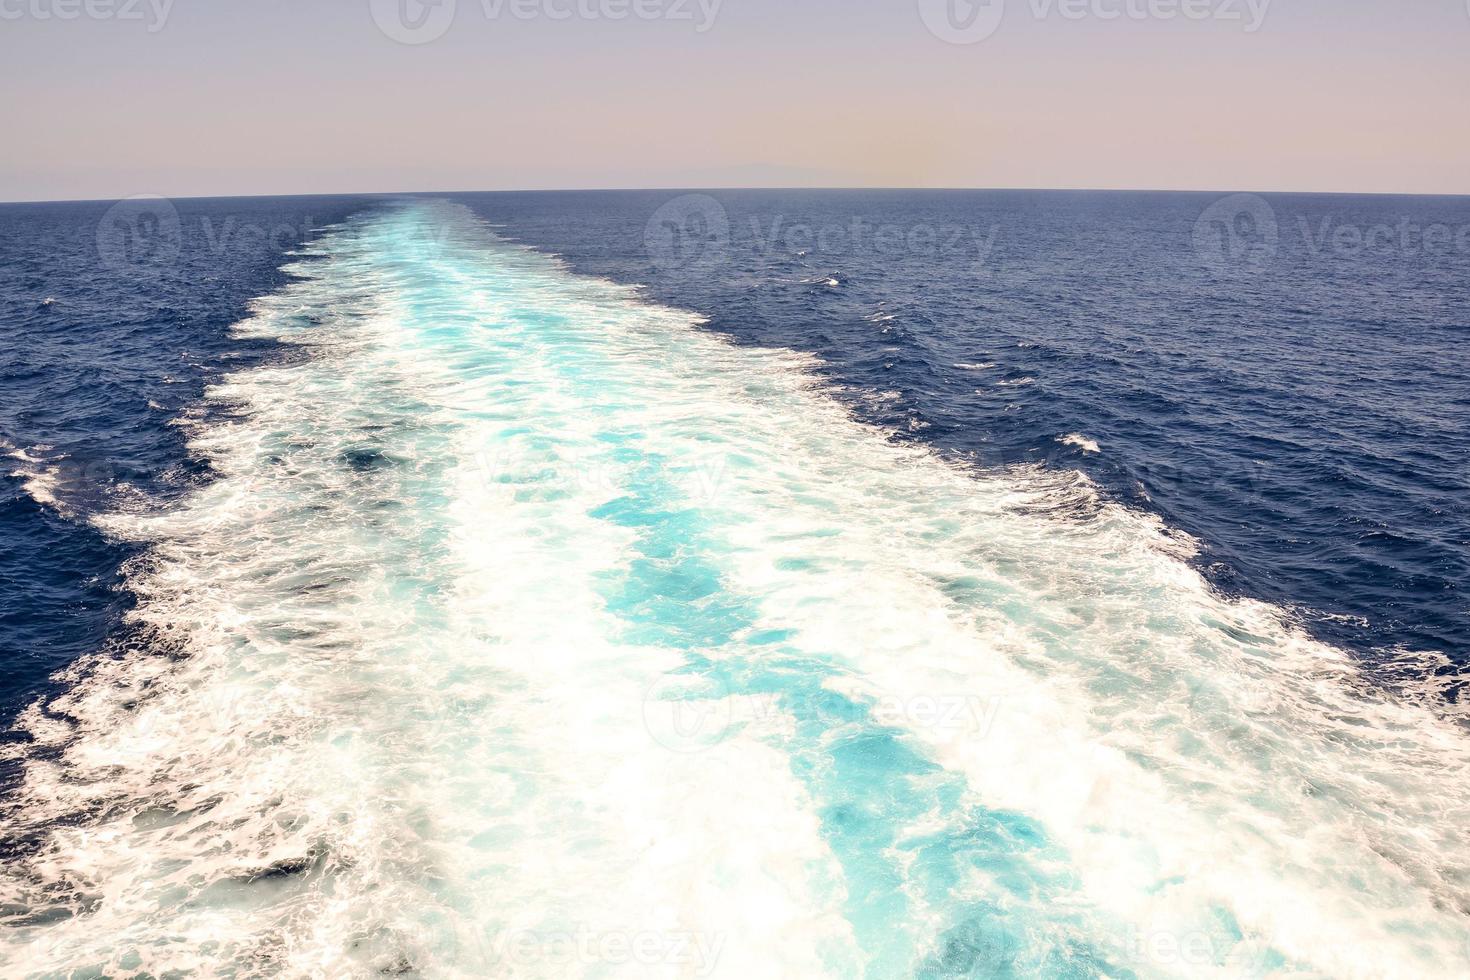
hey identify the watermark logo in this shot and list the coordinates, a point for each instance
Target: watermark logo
(686, 713)
(413, 21)
(154, 12)
(984, 948)
(688, 233)
(146, 231)
(143, 230)
(1257, 696)
(1238, 233)
(962, 21)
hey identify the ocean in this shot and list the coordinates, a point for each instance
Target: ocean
(736, 583)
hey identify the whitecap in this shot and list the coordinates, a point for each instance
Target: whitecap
(40, 476)
(1080, 441)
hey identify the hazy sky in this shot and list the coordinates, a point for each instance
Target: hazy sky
(108, 98)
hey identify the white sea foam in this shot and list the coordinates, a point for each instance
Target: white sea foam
(530, 631)
(39, 470)
(1080, 441)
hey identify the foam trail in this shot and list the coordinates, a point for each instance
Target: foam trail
(530, 631)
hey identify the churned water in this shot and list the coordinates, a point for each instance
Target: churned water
(477, 615)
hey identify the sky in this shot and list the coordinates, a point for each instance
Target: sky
(111, 98)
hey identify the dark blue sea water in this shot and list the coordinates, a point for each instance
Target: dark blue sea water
(759, 583)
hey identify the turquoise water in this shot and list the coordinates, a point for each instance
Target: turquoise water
(531, 631)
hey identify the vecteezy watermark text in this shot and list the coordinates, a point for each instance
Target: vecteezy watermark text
(701, 13)
(972, 21)
(859, 236)
(693, 951)
(1249, 13)
(694, 232)
(422, 21)
(1194, 950)
(690, 714)
(548, 951)
(1332, 235)
(700, 479)
(1245, 233)
(154, 12)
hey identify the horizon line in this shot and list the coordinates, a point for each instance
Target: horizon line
(742, 187)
